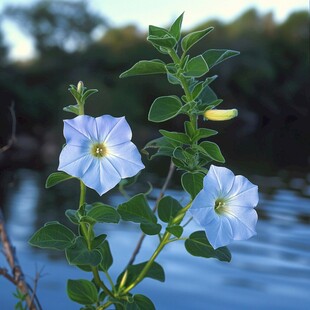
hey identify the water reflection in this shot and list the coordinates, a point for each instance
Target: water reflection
(270, 271)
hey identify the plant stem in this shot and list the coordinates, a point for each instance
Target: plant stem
(86, 233)
(82, 195)
(99, 282)
(161, 194)
(148, 265)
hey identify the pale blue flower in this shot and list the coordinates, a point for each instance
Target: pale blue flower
(99, 151)
(225, 207)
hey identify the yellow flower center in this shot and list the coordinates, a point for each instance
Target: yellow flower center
(219, 206)
(98, 150)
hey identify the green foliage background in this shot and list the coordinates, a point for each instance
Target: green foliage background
(268, 84)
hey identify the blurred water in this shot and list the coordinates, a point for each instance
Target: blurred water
(270, 271)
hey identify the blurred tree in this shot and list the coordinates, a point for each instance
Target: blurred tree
(3, 49)
(64, 25)
(268, 83)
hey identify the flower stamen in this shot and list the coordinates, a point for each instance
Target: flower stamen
(219, 206)
(98, 150)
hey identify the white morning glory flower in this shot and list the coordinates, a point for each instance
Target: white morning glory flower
(99, 151)
(225, 207)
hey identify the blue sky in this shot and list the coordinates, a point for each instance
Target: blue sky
(158, 12)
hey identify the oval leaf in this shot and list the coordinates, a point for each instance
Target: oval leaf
(107, 258)
(198, 245)
(78, 254)
(193, 37)
(103, 213)
(192, 183)
(145, 67)
(155, 272)
(137, 210)
(196, 67)
(53, 236)
(82, 291)
(140, 302)
(212, 150)
(175, 28)
(215, 56)
(56, 178)
(176, 136)
(168, 208)
(164, 108)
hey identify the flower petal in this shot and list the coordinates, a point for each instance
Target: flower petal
(219, 232)
(101, 176)
(243, 221)
(218, 181)
(243, 193)
(113, 130)
(125, 158)
(80, 130)
(74, 160)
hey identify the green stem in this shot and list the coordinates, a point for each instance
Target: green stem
(148, 265)
(174, 56)
(99, 282)
(82, 195)
(110, 280)
(105, 306)
(87, 233)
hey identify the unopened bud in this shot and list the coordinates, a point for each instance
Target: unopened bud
(80, 87)
(220, 115)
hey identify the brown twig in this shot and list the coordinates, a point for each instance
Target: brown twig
(161, 194)
(13, 134)
(17, 277)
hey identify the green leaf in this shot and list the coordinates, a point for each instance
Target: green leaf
(162, 147)
(53, 236)
(137, 210)
(175, 230)
(212, 150)
(107, 258)
(164, 108)
(98, 241)
(168, 208)
(176, 136)
(172, 79)
(72, 109)
(215, 56)
(82, 291)
(207, 96)
(103, 213)
(155, 272)
(140, 302)
(158, 31)
(189, 129)
(198, 245)
(150, 228)
(72, 216)
(145, 67)
(88, 93)
(175, 29)
(193, 37)
(79, 254)
(56, 178)
(192, 183)
(196, 67)
(166, 41)
(204, 133)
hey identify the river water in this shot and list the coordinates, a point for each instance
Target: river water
(269, 271)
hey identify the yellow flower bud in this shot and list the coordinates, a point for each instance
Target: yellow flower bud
(220, 115)
(80, 87)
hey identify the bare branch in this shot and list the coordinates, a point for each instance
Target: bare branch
(13, 135)
(17, 276)
(161, 194)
